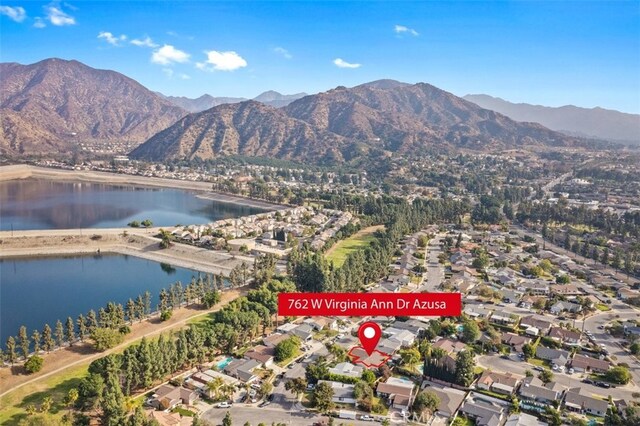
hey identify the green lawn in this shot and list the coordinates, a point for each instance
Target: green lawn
(339, 252)
(57, 386)
(538, 362)
(602, 307)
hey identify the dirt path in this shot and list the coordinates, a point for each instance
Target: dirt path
(79, 354)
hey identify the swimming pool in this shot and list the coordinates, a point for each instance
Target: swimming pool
(223, 363)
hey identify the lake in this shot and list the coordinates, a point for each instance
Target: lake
(35, 291)
(43, 204)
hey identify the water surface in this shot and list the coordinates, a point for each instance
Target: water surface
(43, 204)
(35, 291)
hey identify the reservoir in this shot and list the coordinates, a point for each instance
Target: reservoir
(43, 204)
(35, 291)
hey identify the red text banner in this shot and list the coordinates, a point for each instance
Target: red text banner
(369, 304)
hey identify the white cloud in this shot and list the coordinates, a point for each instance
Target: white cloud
(57, 17)
(340, 63)
(222, 61)
(39, 23)
(14, 13)
(167, 54)
(111, 39)
(145, 42)
(400, 29)
(185, 77)
(283, 52)
(168, 72)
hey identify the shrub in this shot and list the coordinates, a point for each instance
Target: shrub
(34, 364)
(165, 315)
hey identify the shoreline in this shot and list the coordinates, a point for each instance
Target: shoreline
(61, 243)
(203, 189)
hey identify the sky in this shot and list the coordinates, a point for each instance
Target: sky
(584, 53)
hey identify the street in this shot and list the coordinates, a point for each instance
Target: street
(435, 270)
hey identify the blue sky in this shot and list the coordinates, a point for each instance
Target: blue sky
(548, 53)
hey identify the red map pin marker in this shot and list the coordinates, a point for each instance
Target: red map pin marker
(369, 334)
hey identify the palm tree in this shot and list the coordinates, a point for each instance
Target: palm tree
(214, 387)
(227, 390)
(297, 386)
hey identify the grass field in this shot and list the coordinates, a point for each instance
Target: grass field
(358, 241)
(12, 406)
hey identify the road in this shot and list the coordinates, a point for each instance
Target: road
(269, 414)
(516, 366)
(435, 270)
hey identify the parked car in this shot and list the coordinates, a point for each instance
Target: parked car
(224, 405)
(587, 381)
(264, 403)
(603, 385)
(366, 418)
(538, 368)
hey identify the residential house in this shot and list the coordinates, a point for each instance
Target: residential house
(398, 392)
(450, 345)
(304, 332)
(563, 306)
(503, 319)
(627, 293)
(534, 321)
(405, 337)
(524, 419)
(242, 369)
(450, 399)
(347, 369)
(272, 340)
(582, 363)
(535, 392)
(483, 412)
(342, 392)
(167, 397)
(164, 418)
(536, 288)
(321, 323)
(527, 301)
(565, 290)
(263, 354)
(504, 383)
(515, 341)
(563, 335)
(581, 401)
(554, 356)
(476, 312)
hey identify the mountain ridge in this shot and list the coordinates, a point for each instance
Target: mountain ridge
(596, 122)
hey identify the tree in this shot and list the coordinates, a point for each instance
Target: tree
(211, 298)
(410, 356)
(113, 411)
(34, 364)
(563, 279)
(528, 351)
(227, 419)
(70, 331)
(546, 376)
(266, 388)
(71, 398)
(92, 321)
(619, 374)
(635, 348)
(11, 350)
(465, 365)
(368, 376)
(59, 333)
(322, 397)
(147, 223)
(82, 327)
(35, 336)
(47, 339)
(287, 348)
(470, 331)
(296, 386)
(426, 401)
(23, 341)
(105, 338)
(364, 395)
(46, 405)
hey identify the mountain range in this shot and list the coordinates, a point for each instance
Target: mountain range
(51, 106)
(598, 123)
(340, 124)
(270, 97)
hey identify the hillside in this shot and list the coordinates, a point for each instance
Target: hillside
(587, 122)
(52, 105)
